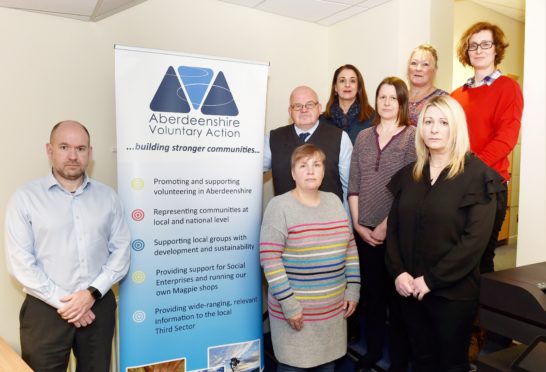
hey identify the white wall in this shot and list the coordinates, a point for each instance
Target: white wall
(441, 37)
(51, 69)
(356, 41)
(55, 68)
(532, 199)
(379, 41)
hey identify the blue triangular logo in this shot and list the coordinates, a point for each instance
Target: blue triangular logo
(196, 81)
(220, 101)
(169, 96)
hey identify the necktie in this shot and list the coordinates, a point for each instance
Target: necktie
(303, 136)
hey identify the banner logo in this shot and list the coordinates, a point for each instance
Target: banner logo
(200, 94)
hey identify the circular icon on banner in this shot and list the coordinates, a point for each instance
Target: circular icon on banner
(139, 277)
(137, 183)
(138, 215)
(138, 244)
(139, 316)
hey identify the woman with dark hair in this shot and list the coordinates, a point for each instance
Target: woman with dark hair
(422, 68)
(379, 152)
(439, 224)
(310, 261)
(348, 107)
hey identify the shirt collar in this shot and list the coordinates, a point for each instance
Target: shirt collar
(51, 182)
(488, 80)
(310, 130)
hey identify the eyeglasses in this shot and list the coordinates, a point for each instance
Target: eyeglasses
(309, 106)
(484, 45)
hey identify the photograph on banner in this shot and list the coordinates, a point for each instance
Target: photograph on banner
(167, 366)
(241, 357)
(190, 141)
(212, 369)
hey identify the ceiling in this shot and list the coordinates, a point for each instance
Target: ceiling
(323, 12)
(511, 8)
(85, 10)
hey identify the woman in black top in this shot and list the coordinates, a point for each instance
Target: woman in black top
(438, 227)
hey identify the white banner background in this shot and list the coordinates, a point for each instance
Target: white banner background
(191, 185)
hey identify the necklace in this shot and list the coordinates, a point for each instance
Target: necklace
(435, 172)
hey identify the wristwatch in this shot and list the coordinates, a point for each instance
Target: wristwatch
(94, 292)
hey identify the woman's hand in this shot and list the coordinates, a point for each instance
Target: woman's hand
(366, 235)
(404, 284)
(349, 307)
(296, 322)
(380, 231)
(421, 288)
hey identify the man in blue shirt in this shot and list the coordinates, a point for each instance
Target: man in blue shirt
(67, 243)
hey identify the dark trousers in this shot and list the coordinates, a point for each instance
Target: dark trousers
(46, 338)
(398, 336)
(379, 301)
(439, 332)
(486, 263)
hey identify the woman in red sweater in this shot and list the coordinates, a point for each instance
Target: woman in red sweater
(493, 104)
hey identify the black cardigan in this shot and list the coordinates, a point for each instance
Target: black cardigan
(440, 231)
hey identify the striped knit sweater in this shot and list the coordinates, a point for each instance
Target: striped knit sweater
(310, 262)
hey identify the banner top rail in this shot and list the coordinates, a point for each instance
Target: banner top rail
(188, 55)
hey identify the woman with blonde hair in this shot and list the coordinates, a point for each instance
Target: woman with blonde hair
(438, 227)
(422, 68)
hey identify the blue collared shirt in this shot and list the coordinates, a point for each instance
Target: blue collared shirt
(59, 242)
(344, 163)
(488, 80)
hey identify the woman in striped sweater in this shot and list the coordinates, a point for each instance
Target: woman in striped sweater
(310, 261)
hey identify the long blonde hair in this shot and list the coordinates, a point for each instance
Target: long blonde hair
(458, 143)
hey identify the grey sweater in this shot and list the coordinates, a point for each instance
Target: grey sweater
(310, 261)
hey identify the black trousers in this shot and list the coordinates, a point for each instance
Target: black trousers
(47, 339)
(486, 263)
(439, 332)
(379, 302)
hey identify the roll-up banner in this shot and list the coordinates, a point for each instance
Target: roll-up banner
(189, 148)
